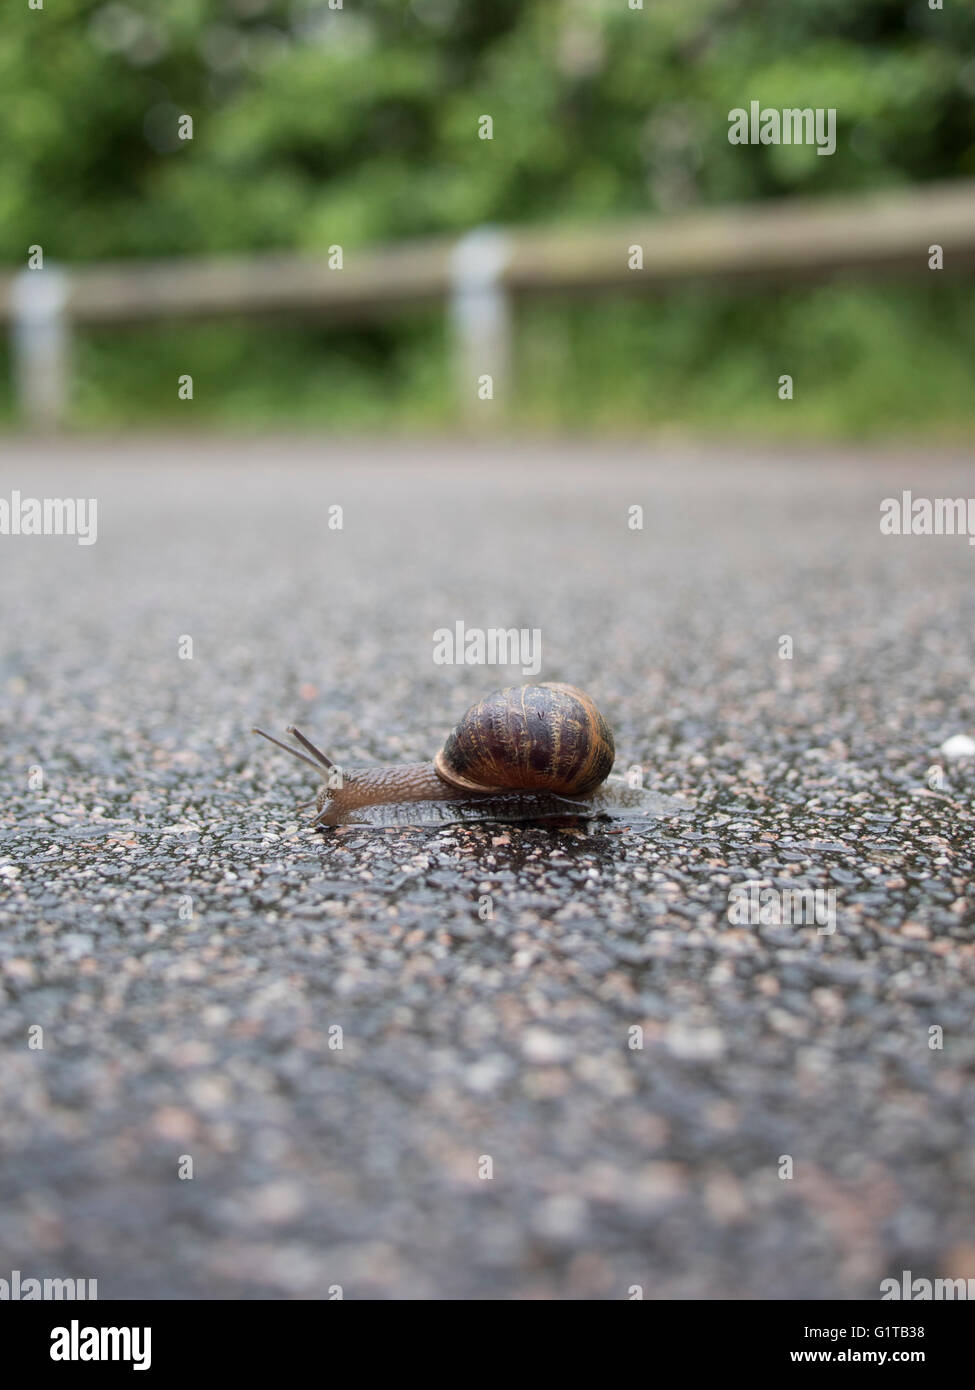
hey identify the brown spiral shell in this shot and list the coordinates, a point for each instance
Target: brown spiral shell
(529, 738)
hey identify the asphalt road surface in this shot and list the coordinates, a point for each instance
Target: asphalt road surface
(488, 1127)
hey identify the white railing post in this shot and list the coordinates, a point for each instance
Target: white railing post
(40, 346)
(480, 316)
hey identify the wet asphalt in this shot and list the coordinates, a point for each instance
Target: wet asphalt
(386, 1083)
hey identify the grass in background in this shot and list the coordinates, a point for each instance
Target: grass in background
(249, 376)
(867, 362)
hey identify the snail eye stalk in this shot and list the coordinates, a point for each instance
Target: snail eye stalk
(307, 744)
(293, 751)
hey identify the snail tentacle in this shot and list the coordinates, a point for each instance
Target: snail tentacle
(316, 753)
(293, 751)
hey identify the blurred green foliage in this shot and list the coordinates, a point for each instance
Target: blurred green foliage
(315, 126)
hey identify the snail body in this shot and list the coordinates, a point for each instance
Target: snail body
(523, 753)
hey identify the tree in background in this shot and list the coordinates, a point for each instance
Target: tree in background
(315, 125)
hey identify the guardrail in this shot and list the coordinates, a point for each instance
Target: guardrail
(479, 275)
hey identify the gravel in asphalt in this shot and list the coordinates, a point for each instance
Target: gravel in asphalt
(194, 953)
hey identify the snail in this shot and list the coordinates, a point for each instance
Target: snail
(527, 752)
